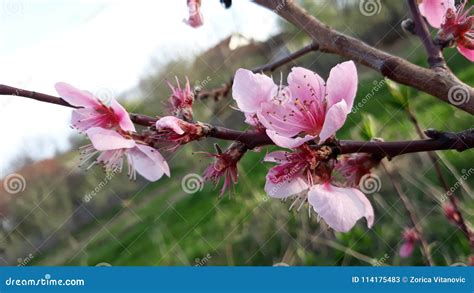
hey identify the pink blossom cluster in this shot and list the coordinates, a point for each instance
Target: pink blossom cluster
(455, 24)
(299, 116)
(114, 138)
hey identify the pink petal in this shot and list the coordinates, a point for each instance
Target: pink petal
(279, 118)
(251, 119)
(406, 249)
(468, 53)
(170, 122)
(250, 90)
(148, 162)
(277, 157)
(340, 207)
(306, 85)
(342, 84)
(283, 189)
(75, 96)
(125, 122)
(335, 118)
(77, 117)
(435, 10)
(106, 139)
(288, 142)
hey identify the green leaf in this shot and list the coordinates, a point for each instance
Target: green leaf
(399, 93)
(369, 129)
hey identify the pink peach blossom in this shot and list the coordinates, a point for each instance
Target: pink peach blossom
(92, 112)
(354, 166)
(181, 100)
(292, 175)
(410, 237)
(435, 10)
(195, 17)
(304, 110)
(113, 147)
(299, 174)
(225, 166)
(459, 26)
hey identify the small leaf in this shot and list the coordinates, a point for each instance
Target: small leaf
(399, 93)
(369, 129)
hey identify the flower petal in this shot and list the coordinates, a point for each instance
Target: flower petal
(277, 157)
(75, 96)
(305, 84)
(468, 53)
(288, 142)
(335, 118)
(435, 10)
(125, 122)
(286, 188)
(250, 90)
(105, 139)
(342, 84)
(170, 122)
(406, 249)
(340, 207)
(149, 162)
(280, 118)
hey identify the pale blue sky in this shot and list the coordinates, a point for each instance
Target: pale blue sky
(83, 42)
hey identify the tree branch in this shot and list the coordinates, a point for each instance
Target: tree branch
(438, 141)
(285, 60)
(437, 82)
(435, 57)
(253, 138)
(12, 91)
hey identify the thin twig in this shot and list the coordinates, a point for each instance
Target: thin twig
(435, 56)
(460, 220)
(224, 89)
(270, 67)
(425, 249)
